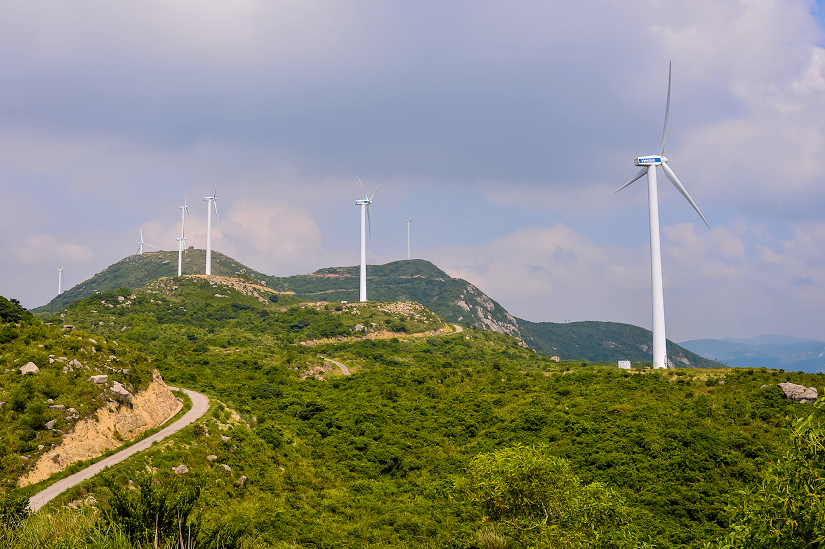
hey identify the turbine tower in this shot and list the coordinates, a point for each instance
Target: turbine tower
(60, 280)
(648, 164)
(141, 244)
(409, 235)
(365, 216)
(211, 201)
(182, 240)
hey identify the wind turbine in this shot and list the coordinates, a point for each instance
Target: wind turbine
(365, 216)
(649, 164)
(184, 210)
(141, 244)
(211, 201)
(60, 280)
(409, 235)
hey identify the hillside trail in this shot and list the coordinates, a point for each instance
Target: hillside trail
(200, 405)
(345, 370)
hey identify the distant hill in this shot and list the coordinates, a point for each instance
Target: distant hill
(770, 339)
(603, 341)
(768, 351)
(453, 299)
(135, 271)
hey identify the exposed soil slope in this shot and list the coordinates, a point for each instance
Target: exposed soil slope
(92, 437)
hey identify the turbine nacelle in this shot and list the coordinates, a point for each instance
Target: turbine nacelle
(654, 160)
(363, 202)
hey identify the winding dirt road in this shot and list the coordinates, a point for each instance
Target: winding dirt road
(200, 405)
(344, 369)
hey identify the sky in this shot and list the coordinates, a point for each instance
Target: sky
(502, 128)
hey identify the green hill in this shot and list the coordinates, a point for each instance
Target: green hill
(376, 458)
(607, 341)
(135, 271)
(453, 299)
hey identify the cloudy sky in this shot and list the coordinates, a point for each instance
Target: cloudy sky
(503, 128)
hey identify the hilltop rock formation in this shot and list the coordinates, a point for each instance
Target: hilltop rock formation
(800, 393)
(90, 438)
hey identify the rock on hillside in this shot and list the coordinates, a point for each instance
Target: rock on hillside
(90, 437)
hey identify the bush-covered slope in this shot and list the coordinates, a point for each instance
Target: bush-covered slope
(135, 271)
(372, 459)
(58, 389)
(608, 341)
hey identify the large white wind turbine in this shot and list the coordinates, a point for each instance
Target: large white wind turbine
(60, 280)
(409, 235)
(365, 216)
(141, 244)
(211, 201)
(649, 164)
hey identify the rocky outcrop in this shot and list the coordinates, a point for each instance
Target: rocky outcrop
(112, 424)
(800, 393)
(488, 316)
(29, 368)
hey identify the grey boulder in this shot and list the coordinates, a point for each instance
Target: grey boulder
(800, 393)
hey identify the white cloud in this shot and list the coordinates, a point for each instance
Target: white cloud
(715, 284)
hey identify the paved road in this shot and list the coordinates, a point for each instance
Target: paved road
(344, 369)
(200, 404)
(458, 329)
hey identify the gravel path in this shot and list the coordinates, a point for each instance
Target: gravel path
(200, 404)
(344, 369)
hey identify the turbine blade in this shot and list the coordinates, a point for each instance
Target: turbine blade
(667, 109)
(641, 172)
(141, 234)
(369, 224)
(376, 191)
(676, 183)
(363, 189)
(215, 203)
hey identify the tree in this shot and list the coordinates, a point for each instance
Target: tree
(788, 510)
(530, 498)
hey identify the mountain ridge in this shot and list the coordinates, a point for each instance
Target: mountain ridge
(453, 299)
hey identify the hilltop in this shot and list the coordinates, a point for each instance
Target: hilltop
(135, 271)
(453, 299)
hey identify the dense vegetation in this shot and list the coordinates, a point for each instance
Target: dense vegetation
(418, 447)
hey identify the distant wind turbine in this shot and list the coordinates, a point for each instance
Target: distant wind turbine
(60, 280)
(141, 244)
(365, 218)
(211, 201)
(184, 211)
(409, 235)
(649, 164)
